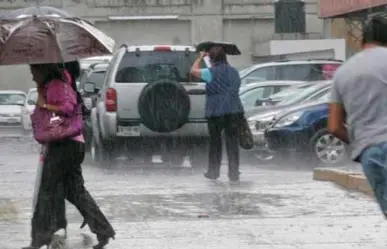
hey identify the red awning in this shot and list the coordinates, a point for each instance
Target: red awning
(331, 8)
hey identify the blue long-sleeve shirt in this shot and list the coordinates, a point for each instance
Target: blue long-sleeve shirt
(222, 90)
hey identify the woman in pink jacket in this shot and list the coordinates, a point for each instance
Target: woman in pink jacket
(62, 173)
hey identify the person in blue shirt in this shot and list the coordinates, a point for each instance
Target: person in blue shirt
(223, 109)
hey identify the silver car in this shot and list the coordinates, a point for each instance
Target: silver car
(11, 103)
(253, 93)
(28, 108)
(150, 104)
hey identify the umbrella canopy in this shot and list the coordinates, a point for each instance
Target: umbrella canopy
(230, 48)
(34, 40)
(35, 11)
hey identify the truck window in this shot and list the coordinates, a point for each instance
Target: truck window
(150, 66)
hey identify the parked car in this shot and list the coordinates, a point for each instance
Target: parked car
(95, 75)
(303, 130)
(87, 62)
(314, 91)
(288, 93)
(253, 92)
(264, 115)
(298, 70)
(150, 104)
(28, 108)
(11, 103)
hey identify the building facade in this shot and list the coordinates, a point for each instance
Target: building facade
(345, 19)
(247, 23)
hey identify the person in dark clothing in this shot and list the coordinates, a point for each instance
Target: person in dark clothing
(224, 110)
(62, 173)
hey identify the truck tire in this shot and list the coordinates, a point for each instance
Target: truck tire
(164, 105)
(102, 154)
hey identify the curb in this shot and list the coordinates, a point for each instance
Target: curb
(8, 210)
(354, 181)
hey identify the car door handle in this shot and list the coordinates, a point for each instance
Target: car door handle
(196, 92)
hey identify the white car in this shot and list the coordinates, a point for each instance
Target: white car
(28, 108)
(11, 102)
(297, 70)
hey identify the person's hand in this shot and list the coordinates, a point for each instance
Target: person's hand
(203, 54)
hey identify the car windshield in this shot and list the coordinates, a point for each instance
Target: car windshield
(97, 78)
(301, 95)
(150, 66)
(32, 97)
(249, 98)
(12, 98)
(325, 97)
(245, 71)
(288, 92)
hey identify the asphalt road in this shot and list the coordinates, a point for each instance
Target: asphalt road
(273, 207)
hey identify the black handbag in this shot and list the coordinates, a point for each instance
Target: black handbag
(246, 140)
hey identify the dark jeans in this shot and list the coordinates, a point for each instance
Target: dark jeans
(374, 162)
(230, 123)
(62, 179)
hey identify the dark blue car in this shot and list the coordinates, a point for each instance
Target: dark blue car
(303, 130)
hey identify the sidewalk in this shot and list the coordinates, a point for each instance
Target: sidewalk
(160, 209)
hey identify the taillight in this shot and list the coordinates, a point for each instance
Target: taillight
(162, 48)
(111, 100)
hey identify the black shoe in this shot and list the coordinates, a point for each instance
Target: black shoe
(41, 240)
(211, 176)
(57, 242)
(103, 240)
(234, 177)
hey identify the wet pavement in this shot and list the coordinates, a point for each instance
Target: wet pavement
(273, 207)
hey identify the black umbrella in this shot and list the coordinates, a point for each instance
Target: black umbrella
(230, 48)
(35, 11)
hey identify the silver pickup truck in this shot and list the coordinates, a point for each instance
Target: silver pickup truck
(150, 104)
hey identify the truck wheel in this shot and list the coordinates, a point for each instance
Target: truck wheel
(198, 156)
(173, 159)
(164, 105)
(101, 153)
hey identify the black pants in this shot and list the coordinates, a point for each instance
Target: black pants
(62, 179)
(230, 123)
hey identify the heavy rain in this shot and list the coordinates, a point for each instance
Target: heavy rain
(190, 124)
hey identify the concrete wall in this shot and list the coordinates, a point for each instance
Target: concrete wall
(297, 46)
(245, 22)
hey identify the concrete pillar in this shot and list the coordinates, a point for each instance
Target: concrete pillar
(327, 28)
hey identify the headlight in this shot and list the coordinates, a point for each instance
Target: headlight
(288, 120)
(251, 124)
(260, 124)
(88, 103)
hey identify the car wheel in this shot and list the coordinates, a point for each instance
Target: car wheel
(101, 153)
(198, 156)
(327, 149)
(173, 159)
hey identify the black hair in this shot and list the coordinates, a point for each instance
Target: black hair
(74, 69)
(217, 54)
(50, 71)
(375, 30)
